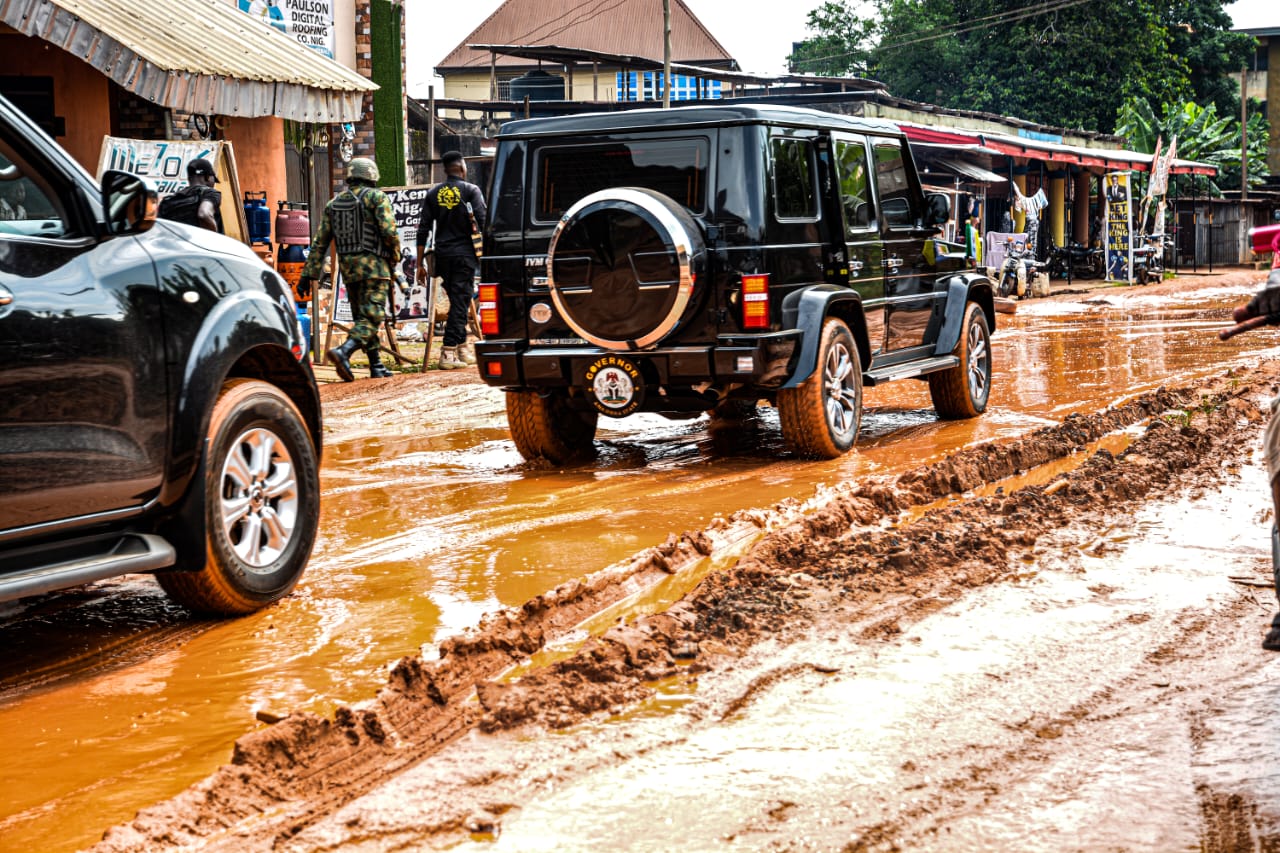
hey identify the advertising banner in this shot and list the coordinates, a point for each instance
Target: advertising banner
(1119, 227)
(163, 162)
(308, 21)
(408, 299)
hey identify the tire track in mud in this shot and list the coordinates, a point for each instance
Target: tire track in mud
(304, 767)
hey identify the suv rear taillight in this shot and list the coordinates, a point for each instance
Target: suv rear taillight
(755, 301)
(489, 309)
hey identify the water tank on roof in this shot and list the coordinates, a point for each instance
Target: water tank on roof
(539, 86)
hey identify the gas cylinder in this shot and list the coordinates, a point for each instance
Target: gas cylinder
(258, 217)
(293, 234)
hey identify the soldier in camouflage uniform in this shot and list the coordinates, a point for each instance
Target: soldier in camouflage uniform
(360, 223)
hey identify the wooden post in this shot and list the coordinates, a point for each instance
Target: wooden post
(493, 75)
(431, 135)
(595, 80)
(666, 54)
(1244, 137)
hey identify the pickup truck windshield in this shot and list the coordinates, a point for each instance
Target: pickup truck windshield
(675, 167)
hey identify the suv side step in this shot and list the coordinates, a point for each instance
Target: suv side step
(909, 369)
(94, 561)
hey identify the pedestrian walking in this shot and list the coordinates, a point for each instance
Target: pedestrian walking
(198, 203)
(361, 225)
(456, 208)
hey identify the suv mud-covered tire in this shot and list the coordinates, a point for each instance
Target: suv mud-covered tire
(262, 503)
(622, 267)
(820, 418)
(962, 391)
(545, 427)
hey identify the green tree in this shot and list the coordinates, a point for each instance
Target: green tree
(1202, 135)
(840, 44)
(1061, 62)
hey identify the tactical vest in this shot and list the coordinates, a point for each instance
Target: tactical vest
(354, 230)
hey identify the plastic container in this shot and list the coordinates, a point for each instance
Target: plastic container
(304, 317)
(290, 259)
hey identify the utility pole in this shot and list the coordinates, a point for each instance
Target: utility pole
(1244, 136)
(666, 54)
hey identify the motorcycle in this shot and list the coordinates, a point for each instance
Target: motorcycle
(1074, 260)
(1019, 268)
(1148, 258)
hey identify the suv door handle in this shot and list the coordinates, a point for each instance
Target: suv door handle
(856, 266)
(893, 263)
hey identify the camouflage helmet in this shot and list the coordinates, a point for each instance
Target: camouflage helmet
(362, 169)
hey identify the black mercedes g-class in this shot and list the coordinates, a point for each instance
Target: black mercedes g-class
(156, 411)
(691, 260)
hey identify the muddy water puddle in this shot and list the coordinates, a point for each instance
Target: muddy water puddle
(428, 523)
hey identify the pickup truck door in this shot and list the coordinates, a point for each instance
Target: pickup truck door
(83, 397)
(909, 277)
(863, 268)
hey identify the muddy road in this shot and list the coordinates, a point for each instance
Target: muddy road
(1020, 631)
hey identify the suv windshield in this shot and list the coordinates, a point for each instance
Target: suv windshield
(674, 167)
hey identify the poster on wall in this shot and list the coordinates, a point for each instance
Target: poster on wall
(1119, 227)
(308, 21)
(163, 162)
(408, 298)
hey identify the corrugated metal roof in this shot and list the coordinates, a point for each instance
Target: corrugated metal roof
(201, 56)
(609, 26)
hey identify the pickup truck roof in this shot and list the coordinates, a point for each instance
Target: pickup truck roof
(717, 116)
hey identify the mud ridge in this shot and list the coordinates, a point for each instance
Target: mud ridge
(284, 775)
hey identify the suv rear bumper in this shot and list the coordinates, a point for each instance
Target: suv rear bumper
(764, 360)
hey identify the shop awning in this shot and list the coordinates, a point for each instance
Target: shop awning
(931, 156)
(1036, 149)
(199, 56)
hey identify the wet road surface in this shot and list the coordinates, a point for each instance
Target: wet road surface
(121, 699)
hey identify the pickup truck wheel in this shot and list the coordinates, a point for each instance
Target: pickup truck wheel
(545, 427)
(962, 391)
(820, 418)
(262, 503)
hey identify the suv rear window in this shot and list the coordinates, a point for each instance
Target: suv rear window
(674, 167)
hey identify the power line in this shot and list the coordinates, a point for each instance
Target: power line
(966, 27)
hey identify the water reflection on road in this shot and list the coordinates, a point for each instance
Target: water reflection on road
(429, 524)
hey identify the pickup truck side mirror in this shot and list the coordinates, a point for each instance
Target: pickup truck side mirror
(128, 201)
(937, 209)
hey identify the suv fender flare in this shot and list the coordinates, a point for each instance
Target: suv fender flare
(961, 290)
(210, 361)
(808, 309)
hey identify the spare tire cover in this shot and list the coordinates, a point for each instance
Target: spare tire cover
(621, 267)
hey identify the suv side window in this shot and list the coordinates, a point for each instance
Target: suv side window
(795, 193)
(891, 179)
(855, 194)
(26, 208)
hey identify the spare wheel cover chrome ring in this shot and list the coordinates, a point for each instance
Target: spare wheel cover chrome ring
(681, 242)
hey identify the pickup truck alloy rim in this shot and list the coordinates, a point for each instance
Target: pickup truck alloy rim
(259, 497)
(978, 355)
(842, 390)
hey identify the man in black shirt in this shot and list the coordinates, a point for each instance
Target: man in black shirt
(454, 207)
(198, 203)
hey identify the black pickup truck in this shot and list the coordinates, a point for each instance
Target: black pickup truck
(692, 260)
(156, 411)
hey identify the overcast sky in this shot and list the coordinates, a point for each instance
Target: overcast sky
(760, 41)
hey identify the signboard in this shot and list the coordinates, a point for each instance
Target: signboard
(1119, 226)
(308, 21)
(163, 162)
(408, 298)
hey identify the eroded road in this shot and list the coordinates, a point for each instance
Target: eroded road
(933, 712)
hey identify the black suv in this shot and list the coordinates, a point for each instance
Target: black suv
(701, 259)
(156, 414)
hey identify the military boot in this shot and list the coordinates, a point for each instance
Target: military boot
(340, 357)
(449, 359)
(377, 370)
